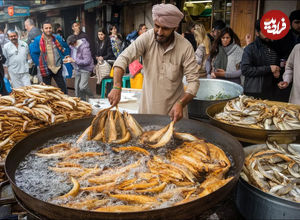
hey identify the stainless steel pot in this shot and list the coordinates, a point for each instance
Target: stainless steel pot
(253, 203)
(211, 88)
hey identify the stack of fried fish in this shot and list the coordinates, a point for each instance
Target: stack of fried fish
(194, 169)
(28, 109)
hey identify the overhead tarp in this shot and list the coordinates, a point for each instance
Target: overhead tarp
(91, 4)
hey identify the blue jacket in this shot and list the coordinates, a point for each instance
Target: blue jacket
(132, 36)
(35, 52)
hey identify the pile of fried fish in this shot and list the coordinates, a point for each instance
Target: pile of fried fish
(248, 112)
(28, 109)
(191, 170)
(275, 169)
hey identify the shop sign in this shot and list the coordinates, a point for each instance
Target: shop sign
(18, 11)
(88, 4)
(10, 10)
(275, 24)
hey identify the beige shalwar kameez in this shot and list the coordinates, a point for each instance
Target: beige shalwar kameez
(163, 71)
(292, 73)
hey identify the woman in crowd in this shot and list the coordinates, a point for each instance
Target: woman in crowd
(203, 47)
(104, 48)
(82, 61)
(116, 40)
(225, 56)
(103, 53)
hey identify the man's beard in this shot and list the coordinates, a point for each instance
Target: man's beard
(266, 41)
(164, 39)
(14, 41)
(295, 31)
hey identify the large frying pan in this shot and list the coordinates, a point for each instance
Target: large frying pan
(253, 135)
(49, 211)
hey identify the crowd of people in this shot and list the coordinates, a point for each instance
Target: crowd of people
(46, 54)
(265, 68)
(262, 67)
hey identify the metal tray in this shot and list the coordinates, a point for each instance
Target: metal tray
(253, 135)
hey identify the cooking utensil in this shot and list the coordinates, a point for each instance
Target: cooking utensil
(211, 88)
(212, 134)
(253, 203)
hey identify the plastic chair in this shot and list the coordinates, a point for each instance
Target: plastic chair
(104, 82)
(126, 81)
(125, 84)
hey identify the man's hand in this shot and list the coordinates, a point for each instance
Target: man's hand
(114, 96)
(212, 75)
(248, 39)
(276, 74)
(282, 85)
(275, 70)
(219, 73)
(176, 112)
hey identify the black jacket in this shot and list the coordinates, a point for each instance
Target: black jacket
(105, 50)
(254, 68)
(2, 86)
(285, 45)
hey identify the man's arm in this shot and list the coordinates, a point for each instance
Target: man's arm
(131, 53)
(190, 71)
(115, 95)
(64, 44)
(289, 67)
(176, 112)
(34, 50)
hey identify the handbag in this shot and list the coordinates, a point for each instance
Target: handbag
(102, 70)
(134, 68)
(33, 70)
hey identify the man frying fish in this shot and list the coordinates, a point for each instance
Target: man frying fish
(167, 57)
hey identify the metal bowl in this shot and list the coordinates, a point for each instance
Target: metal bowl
(253, 135)
(211, 88)
(253, 203)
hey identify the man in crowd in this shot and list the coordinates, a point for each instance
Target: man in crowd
(217, 26)
(17, 58)
(292, 73)
(76, 27)
(47, 52)
(33, 31)
(167, 57)
(284, 48)
(260, 66)
(136, 33)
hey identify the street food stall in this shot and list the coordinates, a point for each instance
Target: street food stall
(71, 168)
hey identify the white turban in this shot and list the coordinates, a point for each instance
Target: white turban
(167, 15)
